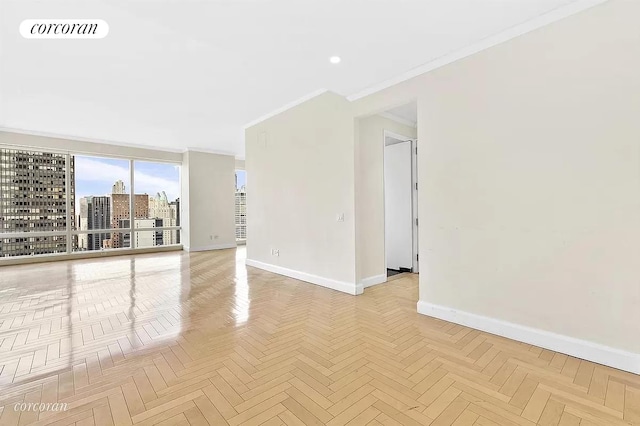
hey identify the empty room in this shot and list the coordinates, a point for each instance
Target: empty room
(270, 212)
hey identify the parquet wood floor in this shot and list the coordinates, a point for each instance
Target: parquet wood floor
(197, 339)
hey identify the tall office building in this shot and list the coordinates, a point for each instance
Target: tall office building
(120, 207)
(83, 224)
(160, 208)
(241, 214)
(95, 213)
(33, 199)
(175, 211)
(118, 188)
(143, 239)
(120, 211)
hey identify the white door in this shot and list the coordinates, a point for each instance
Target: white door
(398, 193)
(414, 189)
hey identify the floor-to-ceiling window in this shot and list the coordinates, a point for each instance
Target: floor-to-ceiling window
(59, 203)
(101, 203)
(241, 205)
(159, 184)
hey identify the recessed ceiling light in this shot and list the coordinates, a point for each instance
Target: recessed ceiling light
(335, 59)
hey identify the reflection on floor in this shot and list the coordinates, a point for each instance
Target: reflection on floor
(178, 338)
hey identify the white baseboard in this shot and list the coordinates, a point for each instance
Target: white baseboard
(374, 280)
(342, 286)
(213, 247)
(584, 349)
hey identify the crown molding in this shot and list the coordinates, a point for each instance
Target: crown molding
(209, 151)
(486, 43)
(285, 107)
(114, 143)
(85, 139)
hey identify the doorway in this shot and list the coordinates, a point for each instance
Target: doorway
(400, 203)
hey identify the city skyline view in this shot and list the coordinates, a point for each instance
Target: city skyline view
(34, 190)
(103, 194)
(95, 176)
(33, 193)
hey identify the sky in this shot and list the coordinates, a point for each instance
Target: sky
(96, 176)
(241, 178)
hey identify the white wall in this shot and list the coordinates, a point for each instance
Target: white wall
(529, 169)
(208, 188)
(531, 178)
(301, 167)
(370, 194)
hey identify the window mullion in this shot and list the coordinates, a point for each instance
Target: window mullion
(132, 205)
(67, 191)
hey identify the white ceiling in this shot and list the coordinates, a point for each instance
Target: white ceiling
(190, 73)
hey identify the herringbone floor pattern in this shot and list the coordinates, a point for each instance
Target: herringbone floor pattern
(200, 339)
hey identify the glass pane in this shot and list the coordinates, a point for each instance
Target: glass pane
(32, 191)
(241, 205)
(29, 246)
(156, 238)
(101, 241)
(241, 179)
(102, 202)
(160, 183)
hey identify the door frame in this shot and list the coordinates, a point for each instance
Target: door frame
(414, 197)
